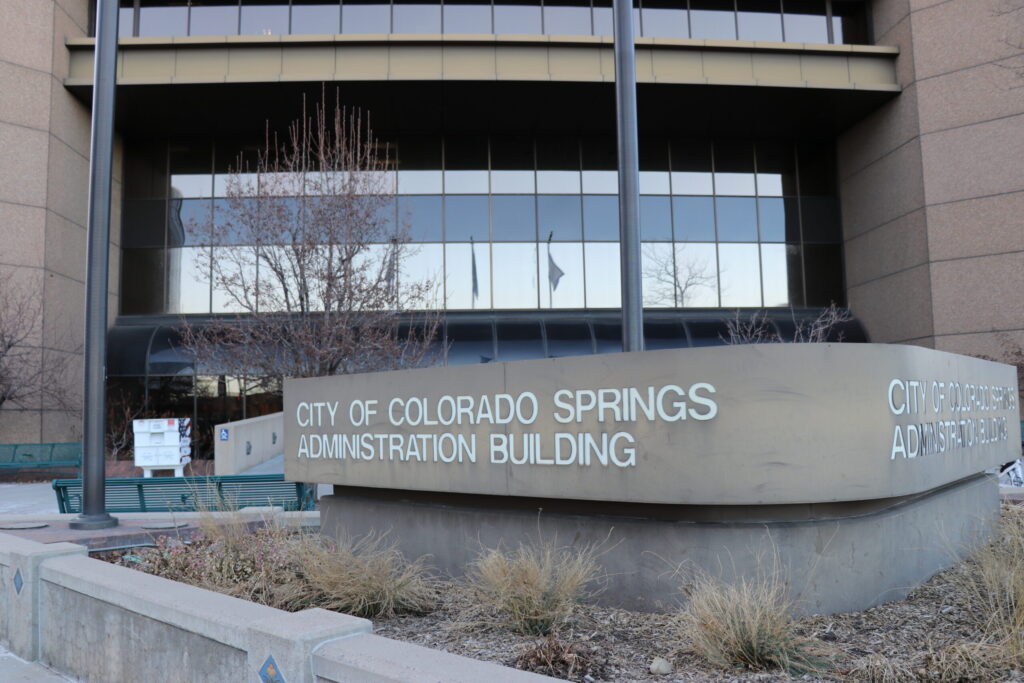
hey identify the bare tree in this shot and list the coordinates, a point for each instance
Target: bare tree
(758, 329)
(310, 259)
(29, 379)
(674, 280)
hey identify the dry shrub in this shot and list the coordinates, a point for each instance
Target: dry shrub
(536, 588)
(881, 669)
(993, 583)
(962, 662)
(292, 570)
(746, 625)
(560, 659)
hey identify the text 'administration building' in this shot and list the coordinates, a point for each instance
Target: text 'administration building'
(793, 153)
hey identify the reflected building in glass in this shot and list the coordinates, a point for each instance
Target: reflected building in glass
(498, 120)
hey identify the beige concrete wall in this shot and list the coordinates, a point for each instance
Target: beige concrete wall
(249, 443)
(44, 132)
(932, 184)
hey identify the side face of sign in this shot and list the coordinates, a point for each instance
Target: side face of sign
(735, 425)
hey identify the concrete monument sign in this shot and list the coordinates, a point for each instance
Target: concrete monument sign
(734, 425)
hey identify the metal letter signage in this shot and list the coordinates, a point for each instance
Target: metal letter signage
(731, 425)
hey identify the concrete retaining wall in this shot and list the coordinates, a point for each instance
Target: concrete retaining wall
(99, 622)
(250, 442)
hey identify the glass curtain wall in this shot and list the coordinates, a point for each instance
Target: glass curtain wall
(798, 21)
(523, 223)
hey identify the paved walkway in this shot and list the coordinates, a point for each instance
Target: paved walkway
(16, 670)
(27, 499)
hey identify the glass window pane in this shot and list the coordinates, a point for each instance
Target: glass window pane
(776, 169)
(820, 217)
(236, 265)
(465, 218)
(569, 339)
(164, 21)
(470, 344)
(422, 215)
(769, 184)
(600, 182)
(760, 20)
(655, 219)
(560, 153)
(559, 218)
(125, 20)
(771, 215)
(190, 185)
(561, 272)
(420, 182)
(804, 21)
(465, 182)
(213, 18)
(517, 19)
(712, 19)
(735, 184)
(512, 182)
(601, 218)
(775, 273)
(603, 275)
(417, 18)
(694, 219)
(737, 219)
(143, 223)
(316, 18)
(849, 22)
(608, 337)
(236, 221)
(603, 21)
(659, 22)
(512, 153)
(655, 182)
(264, 20)
(515, 275)
(739, 275)
(689, 182)
(142, 281)
(368, 18)
(188, 280)
(519, 341)
(558, 182)
(664, 335)
(567, 21)
(467, 18)
(422, 268)
(467, 275)
(696, 284)
(189, 221)
(514, 218)
(658, 270)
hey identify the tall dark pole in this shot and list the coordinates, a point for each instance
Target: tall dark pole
(101, 161)
(629, 178)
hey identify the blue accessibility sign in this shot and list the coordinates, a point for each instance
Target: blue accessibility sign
(224, 435)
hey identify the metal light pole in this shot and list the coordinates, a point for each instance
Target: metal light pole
(101, 161)
(629, 177)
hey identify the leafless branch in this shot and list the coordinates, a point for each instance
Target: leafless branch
(758, 328)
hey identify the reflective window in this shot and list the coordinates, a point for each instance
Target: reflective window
(739, 275)
(559, 217)
(189, 186)
(465, 182)
(769, 184)
(562, 19)
(736, 219)
(771, 216)
(264, 19)
(424, 264)
(467, 18)
(759, 20)
(422, 215)
(470, 344)
(416, 18)
(696, 284)
(741, 184)
(776, 169)
(125, 19)
(655, 219)
(515, 275)
(236, 265)
(603, 21)
(568, 339)
(512, 182)
(324, 17)
(600, 182)
(607, 338)
(514, 218)
(849, 22)
(164, 21)
(658, 270)
(690, 182)
(558, 182)
(561, 272)
(600, 218)
(820, 217)
(604, 289)
(804, 21)
(189, 222)
(664, 19)
(465, 218)
(188, 280)
(658, 335)
(468, 276)
(142, 281)
(655, 182)
(420, 182)
(714, 19)
(370, 17)
(519, 341)
(775, 274)
(694, 219)
(213, 18)
(143, 223)
(511, 18)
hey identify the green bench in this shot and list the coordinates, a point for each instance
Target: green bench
(34, 456)
(186, 494)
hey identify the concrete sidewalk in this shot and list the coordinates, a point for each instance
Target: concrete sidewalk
(14, 669)
(28, 499)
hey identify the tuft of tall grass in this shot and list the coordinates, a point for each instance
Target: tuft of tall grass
(534, 589)
(746, 624)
